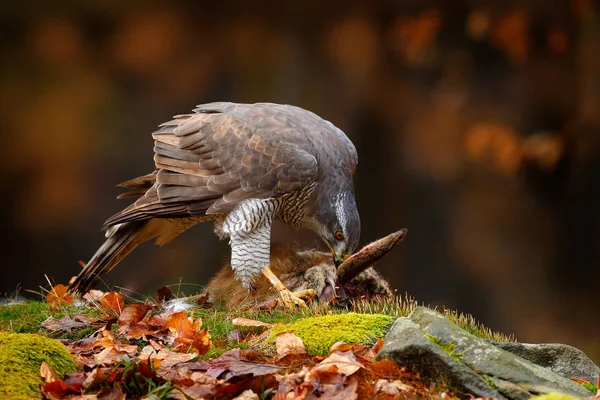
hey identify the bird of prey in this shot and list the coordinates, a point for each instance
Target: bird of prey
(241, 166)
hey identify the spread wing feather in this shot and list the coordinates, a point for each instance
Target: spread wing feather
(224, 153)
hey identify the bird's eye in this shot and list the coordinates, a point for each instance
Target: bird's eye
(339, 235)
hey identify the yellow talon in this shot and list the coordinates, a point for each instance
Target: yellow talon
(288, 299)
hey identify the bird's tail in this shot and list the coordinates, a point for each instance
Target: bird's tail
(121, 240)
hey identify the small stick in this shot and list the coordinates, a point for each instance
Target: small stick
(368, 255)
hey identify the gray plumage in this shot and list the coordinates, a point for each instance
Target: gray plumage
(242, 166)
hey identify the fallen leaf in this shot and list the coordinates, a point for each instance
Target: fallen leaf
(103, 350)
(268, 305)
(188, 335)
(333, 391)
(54, 387)
(235, 335)
(394, 388)
(288, 343)
(345, 362)
(112, 302)
(250, 322)
(164, 359)
(247, 395)
(131, 315)
(65, 324)
(360, 350)
(290, 385)
(232, 363)
(377, 346)
(59, 295)
(93, 295)
(385, 369)
(164, 294)
(48, 373)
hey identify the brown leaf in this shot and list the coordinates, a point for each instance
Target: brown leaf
(54, 387)
(48, 373)
(112, 302)
(131, 315)
(345, 362)
(289, 343)
(361, 351)
(332, 391)
(290, 385)
(394, 388)
(377, 346)
(247, 395)
(112, 393)
(59, 295)
(385, 369)
(87, 320)
(164, 294)
(93, 295)
(268, 305)
(65, 324)
(235, 335)
(341, 346)
(164, 359)
(112, 349)
(233, 363)
(250, 322)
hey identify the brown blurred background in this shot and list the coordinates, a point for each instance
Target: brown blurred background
(477, 126)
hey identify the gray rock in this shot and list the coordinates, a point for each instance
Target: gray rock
(406, 344)
(563, 359)
(440, 350)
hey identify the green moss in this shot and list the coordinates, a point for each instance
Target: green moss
(320, 333)
(448, 348)
(21, 356)
(489, 382)
(554, 396)
(591, 387)
(26, 317)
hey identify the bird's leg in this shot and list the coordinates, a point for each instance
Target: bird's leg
(289, 299)
(248, 226)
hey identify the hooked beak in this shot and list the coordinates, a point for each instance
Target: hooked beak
(338, 259)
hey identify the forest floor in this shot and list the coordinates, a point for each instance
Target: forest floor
(164, 347)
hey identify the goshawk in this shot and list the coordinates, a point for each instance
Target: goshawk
(241, 166)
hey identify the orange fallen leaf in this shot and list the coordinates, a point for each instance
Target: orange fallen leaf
(188, 335)
(377, 346)
(112, 302)
(288, 343)
(59, 295)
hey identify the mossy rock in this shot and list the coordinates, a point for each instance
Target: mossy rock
(320, 333)
(21, 355)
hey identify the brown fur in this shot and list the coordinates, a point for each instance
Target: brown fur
(291, 267)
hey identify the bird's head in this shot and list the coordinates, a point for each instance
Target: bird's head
(338, 224)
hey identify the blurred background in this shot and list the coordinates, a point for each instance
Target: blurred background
(477, 125)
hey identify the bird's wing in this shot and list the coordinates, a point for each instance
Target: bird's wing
(222, 154)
